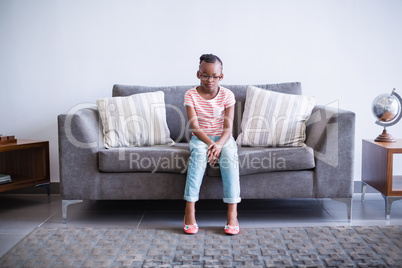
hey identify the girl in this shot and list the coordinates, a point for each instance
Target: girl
(210, 110)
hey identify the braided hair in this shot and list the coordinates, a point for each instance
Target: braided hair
(210, 58)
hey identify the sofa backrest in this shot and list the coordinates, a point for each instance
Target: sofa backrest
(176, 112)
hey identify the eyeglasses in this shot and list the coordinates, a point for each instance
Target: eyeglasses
(207, 77)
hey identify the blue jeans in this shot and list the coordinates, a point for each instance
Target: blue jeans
(229, 167)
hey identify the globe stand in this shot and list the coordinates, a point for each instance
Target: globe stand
(385, 137)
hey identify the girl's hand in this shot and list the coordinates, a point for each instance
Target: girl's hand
(214, 151)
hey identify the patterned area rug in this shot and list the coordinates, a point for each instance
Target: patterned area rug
(268, 247)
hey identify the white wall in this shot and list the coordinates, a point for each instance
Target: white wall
(56, 54)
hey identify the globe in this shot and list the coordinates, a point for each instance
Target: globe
(387, 109)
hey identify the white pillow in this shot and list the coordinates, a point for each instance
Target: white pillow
(273, 119)
(136, 120)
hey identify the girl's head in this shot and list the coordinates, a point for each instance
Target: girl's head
(210, 71)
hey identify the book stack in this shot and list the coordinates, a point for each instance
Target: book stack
(5, 179)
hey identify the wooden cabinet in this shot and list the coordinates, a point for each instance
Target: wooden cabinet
(378, 170)
(27, 162)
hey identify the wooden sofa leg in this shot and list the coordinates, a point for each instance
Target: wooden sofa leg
(348, 203)
(64, 205)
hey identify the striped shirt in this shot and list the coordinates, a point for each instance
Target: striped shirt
(210, 113)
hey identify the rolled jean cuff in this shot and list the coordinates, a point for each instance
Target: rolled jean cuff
(232, 200)
(191, 198)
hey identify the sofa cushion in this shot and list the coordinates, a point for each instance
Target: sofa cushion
(174, 101)
(170, 159)
(253, 160)
(136, 120)
(174, 159)
(176, 116)
(273, 119)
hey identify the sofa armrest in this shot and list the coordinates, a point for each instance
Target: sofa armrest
(80, 139)
(331, 133)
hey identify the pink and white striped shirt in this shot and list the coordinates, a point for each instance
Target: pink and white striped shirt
(210, 113)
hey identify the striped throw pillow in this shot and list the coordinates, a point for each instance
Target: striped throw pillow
(136, 120)
(273, 119)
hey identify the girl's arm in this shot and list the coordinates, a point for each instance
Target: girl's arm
(214, 149)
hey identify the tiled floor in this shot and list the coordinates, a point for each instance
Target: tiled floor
(20, 214)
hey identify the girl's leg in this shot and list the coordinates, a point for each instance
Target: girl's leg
(195, 173)
(232, 215)
(189, 217)
(229, 166)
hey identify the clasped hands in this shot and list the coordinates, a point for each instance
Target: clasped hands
(214, 152)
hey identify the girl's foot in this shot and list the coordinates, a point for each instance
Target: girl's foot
(190, 224)
(232, 225)
(191, 228)
(232, 229)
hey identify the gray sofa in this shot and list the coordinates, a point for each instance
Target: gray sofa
(89, 171)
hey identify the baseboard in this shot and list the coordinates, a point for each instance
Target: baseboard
(55, 189)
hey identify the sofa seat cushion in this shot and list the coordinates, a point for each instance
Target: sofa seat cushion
(170, 159)
(254, 160)
(174, 159)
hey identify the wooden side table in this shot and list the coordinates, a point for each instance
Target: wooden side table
(27, 161)
(377, 171)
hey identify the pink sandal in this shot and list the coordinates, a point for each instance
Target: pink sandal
(190, 229)
(232, 229)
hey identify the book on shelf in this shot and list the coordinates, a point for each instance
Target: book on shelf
(5, 178)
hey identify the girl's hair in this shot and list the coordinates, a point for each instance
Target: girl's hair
(210, 58)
